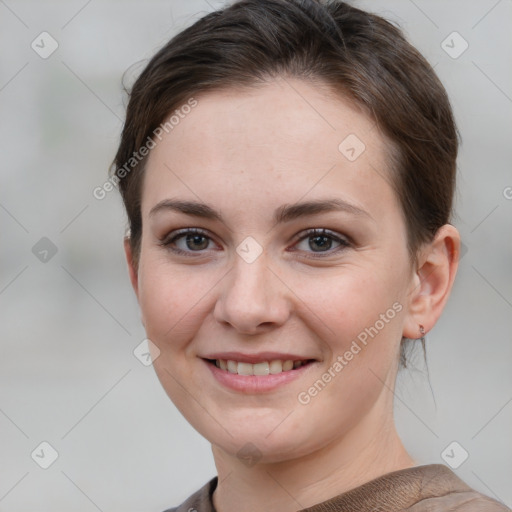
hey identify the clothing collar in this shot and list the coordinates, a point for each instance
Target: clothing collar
(396, 491)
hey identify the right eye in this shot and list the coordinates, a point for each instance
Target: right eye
(192, 240)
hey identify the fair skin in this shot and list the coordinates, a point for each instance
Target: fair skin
(246, 153)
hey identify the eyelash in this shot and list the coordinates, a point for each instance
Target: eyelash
(314, 232)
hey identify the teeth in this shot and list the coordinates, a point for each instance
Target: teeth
(260, 368)
(245, 369)
(264, 368)
(276, 367)
(287, 365)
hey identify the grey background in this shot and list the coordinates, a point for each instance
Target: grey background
(69, 326)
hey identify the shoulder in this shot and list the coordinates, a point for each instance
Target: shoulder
(428, 488)
(468, 501)
(443, 491)
(200, 501)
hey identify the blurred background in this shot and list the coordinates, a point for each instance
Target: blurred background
(70, 377)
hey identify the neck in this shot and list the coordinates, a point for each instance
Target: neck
(369, 450)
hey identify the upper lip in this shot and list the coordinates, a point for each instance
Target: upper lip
(256, 358)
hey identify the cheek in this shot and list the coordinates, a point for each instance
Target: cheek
(352, 302)
(165, 296)
(362, 315)
(174, 300)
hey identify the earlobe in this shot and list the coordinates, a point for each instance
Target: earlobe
(433, 281)
(132, 270)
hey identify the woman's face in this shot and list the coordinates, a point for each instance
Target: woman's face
(253, 285)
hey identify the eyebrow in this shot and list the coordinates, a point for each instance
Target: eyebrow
(284, 213)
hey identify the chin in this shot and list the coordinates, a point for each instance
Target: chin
(252, 450)
(264, 442)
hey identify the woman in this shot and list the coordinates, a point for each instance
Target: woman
(288, 169)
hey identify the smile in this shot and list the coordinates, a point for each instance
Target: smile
(262, 368)
(260, 372)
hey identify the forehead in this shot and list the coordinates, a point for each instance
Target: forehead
(275, 142)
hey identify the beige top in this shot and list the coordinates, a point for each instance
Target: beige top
(430, 488)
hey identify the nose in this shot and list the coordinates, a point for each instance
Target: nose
(253, 298)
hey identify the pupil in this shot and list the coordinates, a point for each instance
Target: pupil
(194, 238)
(324, 238)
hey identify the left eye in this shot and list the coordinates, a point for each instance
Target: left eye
(323, 239)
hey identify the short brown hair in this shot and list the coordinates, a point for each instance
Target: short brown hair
(361, 55)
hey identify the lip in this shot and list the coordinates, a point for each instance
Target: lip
(256, 358)
(254, 384)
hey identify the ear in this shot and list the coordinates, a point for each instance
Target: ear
(132, 270)
(432, 281)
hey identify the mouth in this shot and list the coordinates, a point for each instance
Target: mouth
(261, 368)
(261, 372)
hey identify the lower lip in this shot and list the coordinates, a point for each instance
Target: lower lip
(256, 383)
